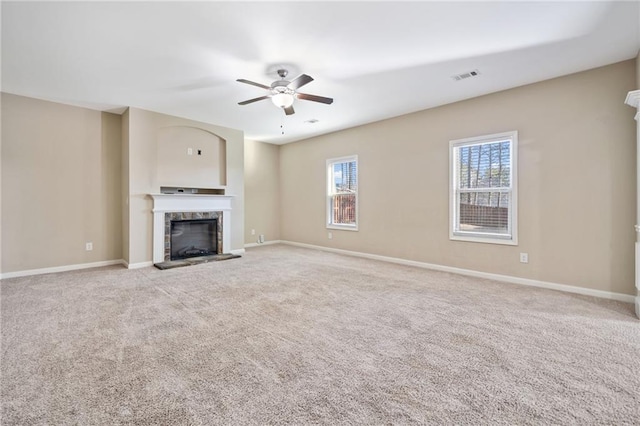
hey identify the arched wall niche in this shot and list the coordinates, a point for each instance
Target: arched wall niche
(191, 157)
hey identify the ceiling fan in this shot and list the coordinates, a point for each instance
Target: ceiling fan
(283, 92)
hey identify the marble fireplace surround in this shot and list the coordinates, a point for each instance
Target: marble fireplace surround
(188, 203)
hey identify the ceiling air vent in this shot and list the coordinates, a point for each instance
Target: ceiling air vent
(466, 75)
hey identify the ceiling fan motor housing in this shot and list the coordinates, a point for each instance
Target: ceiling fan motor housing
(280, 86)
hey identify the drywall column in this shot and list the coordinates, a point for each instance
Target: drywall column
(633, 99)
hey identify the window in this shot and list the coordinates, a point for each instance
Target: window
(483, 189)
(342, 193)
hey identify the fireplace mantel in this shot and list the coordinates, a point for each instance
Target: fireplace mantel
(169, 203)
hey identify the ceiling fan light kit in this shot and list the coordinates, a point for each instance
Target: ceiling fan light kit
(282, 100)
(283, 92)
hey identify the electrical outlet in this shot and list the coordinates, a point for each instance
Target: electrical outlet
(524, 257)
(330, 235)
(189, 151)
(253, 232)
(88, 246)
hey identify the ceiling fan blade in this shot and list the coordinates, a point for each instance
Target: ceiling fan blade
(253, 83)
(289, 110)
(299, 81)
(314, 98)
(254, 100)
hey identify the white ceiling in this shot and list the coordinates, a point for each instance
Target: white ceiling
(376, 59)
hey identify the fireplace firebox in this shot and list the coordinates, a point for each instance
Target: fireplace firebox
(192, 234)
(192, 238)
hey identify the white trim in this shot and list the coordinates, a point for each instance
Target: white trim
(503, 278)
(508, 239)
(266, 243)
(496, 277)
(346, 227)
(137, 265)
(633, 99)
(238, 252)
(65, 268)
(471, 237)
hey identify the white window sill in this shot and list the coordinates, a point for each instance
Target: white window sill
(510, 241)
(343, 227)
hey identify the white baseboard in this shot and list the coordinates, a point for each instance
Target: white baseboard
(61, 269)
(266, 243)
(137, 265)
(497, 277)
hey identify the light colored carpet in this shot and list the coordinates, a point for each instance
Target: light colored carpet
(291, 335)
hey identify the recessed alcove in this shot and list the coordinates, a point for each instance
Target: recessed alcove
(190, 157)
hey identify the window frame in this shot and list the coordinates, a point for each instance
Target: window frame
(454, 190)
(329, 193)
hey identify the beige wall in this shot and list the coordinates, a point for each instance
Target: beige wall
(576, 182)
(262, 191)
(143, 180)
(61, 179)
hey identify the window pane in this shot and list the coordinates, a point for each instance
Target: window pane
(344, 177)
(484, 166)
(344, 209)
(486, 212)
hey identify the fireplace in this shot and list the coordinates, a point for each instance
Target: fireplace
(192, 234)
(190, 207)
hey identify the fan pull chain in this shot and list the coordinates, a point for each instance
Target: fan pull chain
(282, 125)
